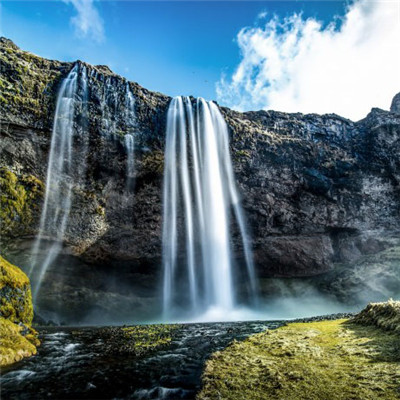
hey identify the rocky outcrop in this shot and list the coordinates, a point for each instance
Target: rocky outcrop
(319, 191)
(395, 107)
(19, 201)
(17, 339)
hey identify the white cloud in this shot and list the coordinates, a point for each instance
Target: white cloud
(87, 21)
(296, 64)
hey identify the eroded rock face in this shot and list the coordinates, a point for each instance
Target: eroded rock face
(317, 190)
(395, 106)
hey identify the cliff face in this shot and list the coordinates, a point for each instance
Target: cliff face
(320, 193)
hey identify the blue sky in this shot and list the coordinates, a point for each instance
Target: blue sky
(222, 50)
(172, 47)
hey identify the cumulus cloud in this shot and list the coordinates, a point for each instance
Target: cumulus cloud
(87, 22)
(296, 64)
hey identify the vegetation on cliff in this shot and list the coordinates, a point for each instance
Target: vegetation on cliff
(313, 188)
(16, 298)
(17, 338)
(27, 82)
(18, 199)
(337, 359)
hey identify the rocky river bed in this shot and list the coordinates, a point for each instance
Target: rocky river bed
(88, 363)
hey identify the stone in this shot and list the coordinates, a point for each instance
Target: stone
(395, 106)
(17, 338)
(317, 190)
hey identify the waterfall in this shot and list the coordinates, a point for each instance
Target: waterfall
(199, 194)
(108, 105)
(64, 167)
(129, 137)
(130, 147)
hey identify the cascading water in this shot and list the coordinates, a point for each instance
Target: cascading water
(199, 191)
(129, 137)
(109, 106)
(63, 167)
(130, 148)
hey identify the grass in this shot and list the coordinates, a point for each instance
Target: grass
(150, 336)
(383, 315)
(137, 340)
(319, 360)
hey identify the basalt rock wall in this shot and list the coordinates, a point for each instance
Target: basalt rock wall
(318, 190)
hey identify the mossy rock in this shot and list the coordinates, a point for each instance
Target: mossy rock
(17, 338)
(138, 340)
(28, 83)
(15, 294)
(16, 342)
(154, 162)
(18, 200)
(333, 360)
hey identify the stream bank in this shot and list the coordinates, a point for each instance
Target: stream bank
(83, 363)
(356, 358)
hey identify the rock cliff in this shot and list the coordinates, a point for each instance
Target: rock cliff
(321, 193)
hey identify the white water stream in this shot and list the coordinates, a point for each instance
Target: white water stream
(199, 194)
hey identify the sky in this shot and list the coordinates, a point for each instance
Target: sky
(302, 56)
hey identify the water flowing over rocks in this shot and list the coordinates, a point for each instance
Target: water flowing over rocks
(97, 363)
(321, 195)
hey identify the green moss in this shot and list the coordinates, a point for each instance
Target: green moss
(18, 199)
(150, 336)
(242, 154)
(17, 338)
(137, 340)
(154, 162)
(11, 275)
(24, 78)
(100, 210)
(319, 360)
(16, 299)
(14, 344)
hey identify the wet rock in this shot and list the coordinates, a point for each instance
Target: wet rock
(317, 190)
